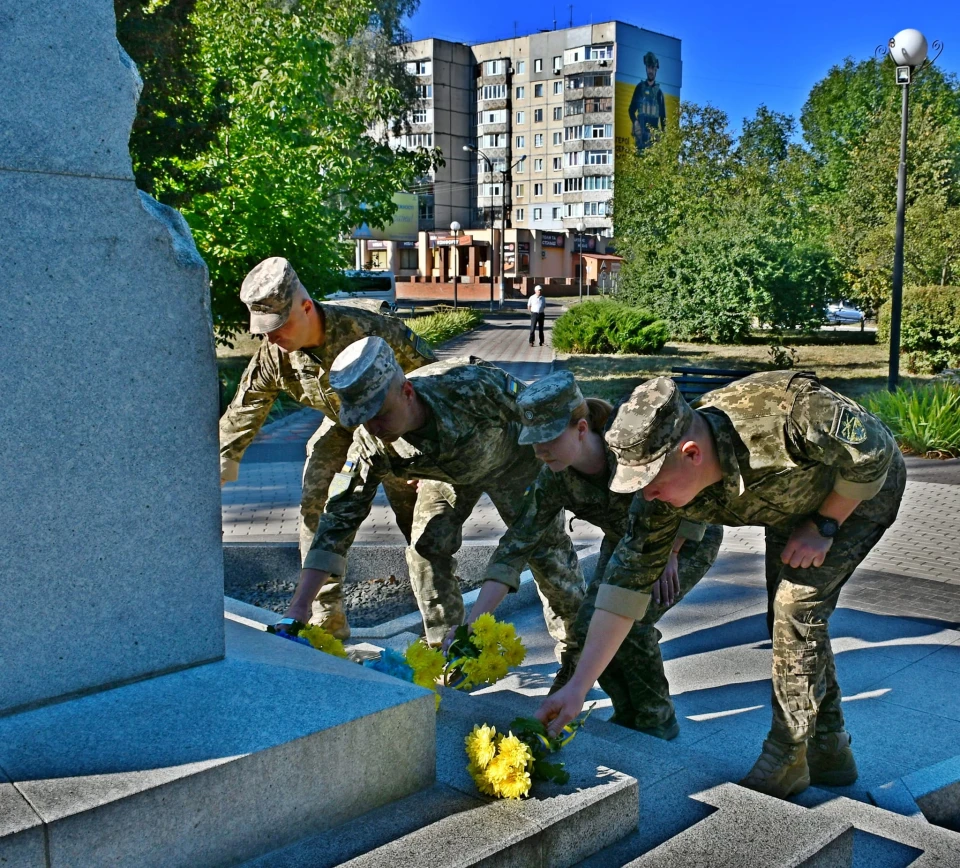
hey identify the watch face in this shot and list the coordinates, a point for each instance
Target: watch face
(828, 527)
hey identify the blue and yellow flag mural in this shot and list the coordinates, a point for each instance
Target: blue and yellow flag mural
(647, 95)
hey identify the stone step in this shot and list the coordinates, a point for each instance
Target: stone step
(453, 826)
(215, 764)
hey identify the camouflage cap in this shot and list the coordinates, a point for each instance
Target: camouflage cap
(545, 407)
(650, 59)
(268, 290)
(361, 375)
(650, 423)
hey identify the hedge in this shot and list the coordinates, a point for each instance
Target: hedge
(609, 327)
(929, 328)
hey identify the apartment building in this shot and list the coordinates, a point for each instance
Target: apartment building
(545, 114)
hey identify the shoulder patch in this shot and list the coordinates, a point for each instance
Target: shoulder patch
(514, 387)
(848, 427)
(421, 346)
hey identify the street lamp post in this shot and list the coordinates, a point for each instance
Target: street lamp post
(581, 226)
(455, 229)
(908, 50)
(503, 215)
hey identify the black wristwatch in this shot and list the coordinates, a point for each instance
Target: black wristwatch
(827, 527)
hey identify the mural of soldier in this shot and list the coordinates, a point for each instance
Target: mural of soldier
(647, 110)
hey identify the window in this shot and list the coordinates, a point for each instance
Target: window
(496, 116)
(538, 140)
(521, 92)
(598, 182)
(600, 52)
(575, 158)
(519, 213)
(521, 168)
(495, 140)
(489, 189)
(599, 158)
(493, 67)
(598, 131)
(424, 91)
(426, 209)
(574, 209)
(594, 209)
(538, 189)
(558, 138)
(573, 185)
(538, 65)
(538, 90)
(419, 140)
(538, 213)
(558, 87)
(538, 165)
(521, 67)
(521, 141)
(408, 260)
(519, 189)
(558, 63)
(573, 107)
(558, 113)
(602, 80)
(538, 116)
(419, 67)
(419, 116)
(575, 132)
(557, 188)
(556, 164)
(521, 117)
(572, 55)
(598, 104)
(575, 82)
(555, 213)
(492, 91)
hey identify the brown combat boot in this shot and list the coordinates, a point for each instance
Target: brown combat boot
(780, 771)
(564, 674)
(332, 618)
(830, 759)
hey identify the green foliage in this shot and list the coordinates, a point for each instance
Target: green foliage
(925, 420)
(445, 324)
(609, 327)
(929, 328)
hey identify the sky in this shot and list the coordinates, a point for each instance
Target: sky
(735, 56)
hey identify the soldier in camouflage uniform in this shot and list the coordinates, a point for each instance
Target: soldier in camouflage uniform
(453, 425)
(301, 340)
(566, 433)
(647, 107)
(820, 474)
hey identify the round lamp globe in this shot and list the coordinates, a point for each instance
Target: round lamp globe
(908, 48)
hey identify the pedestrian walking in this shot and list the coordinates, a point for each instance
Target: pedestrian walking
(537, 305)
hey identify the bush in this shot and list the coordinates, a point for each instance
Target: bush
(609, 327)
(925, 420)
(929, 328)
(445, 324)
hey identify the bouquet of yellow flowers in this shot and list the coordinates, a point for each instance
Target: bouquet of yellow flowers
(310, 634)
(419, 664)
(484, 655)
(504, 766)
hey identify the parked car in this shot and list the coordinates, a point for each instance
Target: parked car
(843, 314)
(366, 285)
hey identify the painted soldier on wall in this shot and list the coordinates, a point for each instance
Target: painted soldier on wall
(647, 108)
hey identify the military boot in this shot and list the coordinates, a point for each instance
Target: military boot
(332, 618)
(564, 674)
(780, 771)
(831, 760)
(667, 730)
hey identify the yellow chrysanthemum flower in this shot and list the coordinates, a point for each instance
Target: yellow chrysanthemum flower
(323, 641)
(515, 785)
(514, 751)
(426, 662)
(514, 653)
(499, 769)
(480, 779)
(484, 631)
(481, 745)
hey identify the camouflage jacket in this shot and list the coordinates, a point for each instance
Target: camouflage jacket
(587, 497)
(303, 375)
(470, 440)
(784, 442)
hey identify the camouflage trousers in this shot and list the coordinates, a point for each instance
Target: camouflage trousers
(438, 533)
(326, 453)
(635, 680)
(805, 692)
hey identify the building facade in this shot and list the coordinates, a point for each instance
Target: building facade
(545, 115)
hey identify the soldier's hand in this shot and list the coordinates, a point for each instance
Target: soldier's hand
(448, 639)
(806, 547)
(556, 711)
(414, 482)
(667, 588)
(299, 613)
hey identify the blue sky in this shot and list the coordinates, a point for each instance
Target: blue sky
(735, 56)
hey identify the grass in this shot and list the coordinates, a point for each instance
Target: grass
(925, 421)
(445, 324)
(853, 369)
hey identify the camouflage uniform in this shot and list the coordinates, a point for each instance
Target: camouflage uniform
(784, 442)
(304, 376)
(467, 448)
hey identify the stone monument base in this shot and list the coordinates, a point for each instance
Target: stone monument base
(213, 765)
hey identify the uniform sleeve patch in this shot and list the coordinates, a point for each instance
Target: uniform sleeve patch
(848, 427)
(421, 346)
(513, 386)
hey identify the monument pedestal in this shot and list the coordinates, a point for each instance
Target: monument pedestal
(212, 765)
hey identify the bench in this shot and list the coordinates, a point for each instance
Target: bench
(694, 382)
